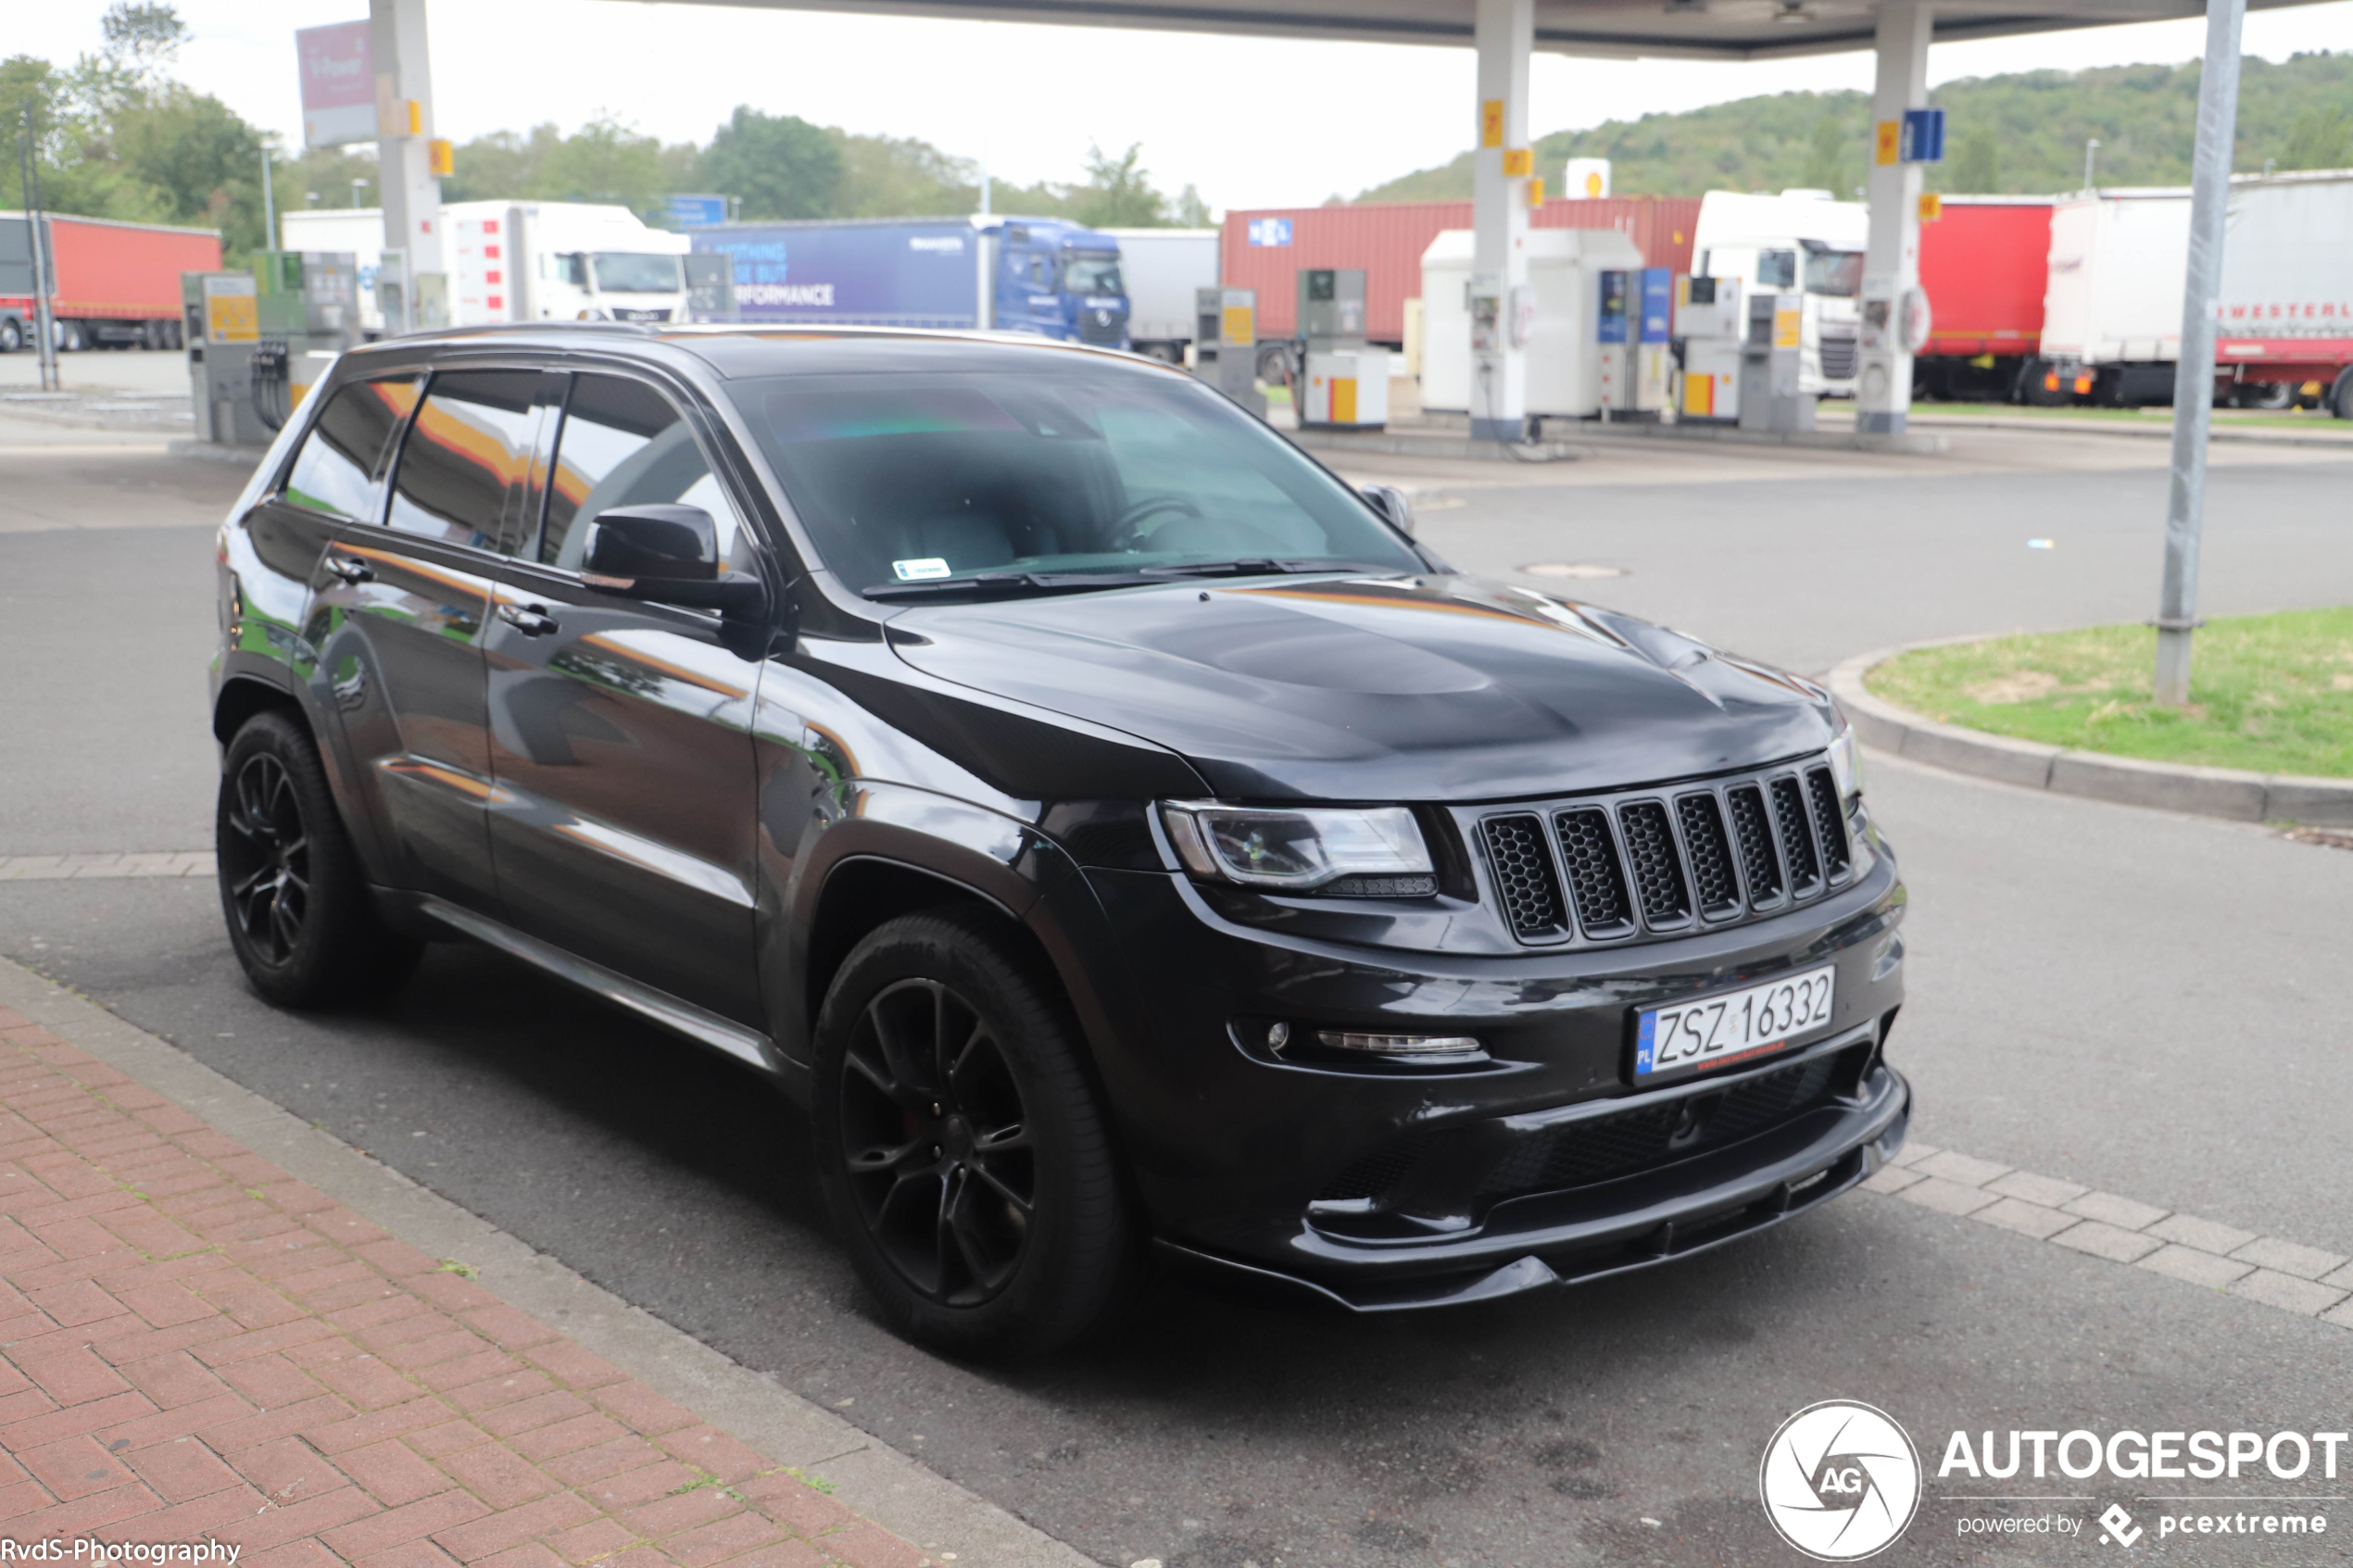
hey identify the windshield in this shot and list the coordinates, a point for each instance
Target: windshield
(1091, 274)
(631, 272)
(1838, 274)
(928, 478)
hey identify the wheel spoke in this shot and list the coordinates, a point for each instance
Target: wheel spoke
(998, 1186)
(283, 926)
(883, 1157)
(243, 886)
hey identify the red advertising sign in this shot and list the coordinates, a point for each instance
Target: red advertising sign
(338, 84)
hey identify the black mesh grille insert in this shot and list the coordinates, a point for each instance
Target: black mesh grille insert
(1653, 1134)
(1758, 863)
(1788, 815)
(1375, 1175)
(1524, 876)
(1711, 856)
(1828, 831)
(1594, 879)
(1658, 871)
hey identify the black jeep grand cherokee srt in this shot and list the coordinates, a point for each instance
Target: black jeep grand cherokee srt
(1120, 835)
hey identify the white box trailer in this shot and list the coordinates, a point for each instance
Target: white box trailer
(522, 261)
(1565, 267)
(2112, 308)
(1162, 269)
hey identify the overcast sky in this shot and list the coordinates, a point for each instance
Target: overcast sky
(1253, 122)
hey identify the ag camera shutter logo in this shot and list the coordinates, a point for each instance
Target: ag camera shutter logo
(1840, 1481)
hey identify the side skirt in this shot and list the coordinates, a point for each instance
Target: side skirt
(703, 1027)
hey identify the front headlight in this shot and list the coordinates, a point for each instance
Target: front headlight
(1846, 764)
(1298, 849)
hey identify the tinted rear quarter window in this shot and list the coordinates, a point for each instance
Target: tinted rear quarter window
(465, 470)
(341, 466)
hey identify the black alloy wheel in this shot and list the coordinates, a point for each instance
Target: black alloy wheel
(936, 1145)
(265, 859)
(292, 889)
(966, 1158)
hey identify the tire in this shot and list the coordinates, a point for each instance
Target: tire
(11, 336)
(2030, 390)
(292, 890)
(913, 1147)
(1273, 364)
(2341, 394)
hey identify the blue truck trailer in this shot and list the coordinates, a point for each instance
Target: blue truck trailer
(1035, 275)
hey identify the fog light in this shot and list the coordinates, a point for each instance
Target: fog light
(1278, 1034)
(1399, 1044)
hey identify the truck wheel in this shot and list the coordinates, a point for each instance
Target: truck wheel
(2032, 388)
(1273, 364)
(291, 888)
(2264, 395)
(965, 1159)
(2341, 396)
(11, 336)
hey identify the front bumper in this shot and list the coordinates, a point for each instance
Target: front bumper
(1382, 1187)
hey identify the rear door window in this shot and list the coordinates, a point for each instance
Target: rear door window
(339, 472)
(625, 445)
(465, 470)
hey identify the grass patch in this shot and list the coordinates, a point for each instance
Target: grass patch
(2272, 692)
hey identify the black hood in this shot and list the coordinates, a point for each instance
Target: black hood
(1431, 688)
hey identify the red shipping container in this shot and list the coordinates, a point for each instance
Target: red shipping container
(1387, 239)
(130, 271)
(1984, 266)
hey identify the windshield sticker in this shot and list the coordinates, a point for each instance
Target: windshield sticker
(919, 569)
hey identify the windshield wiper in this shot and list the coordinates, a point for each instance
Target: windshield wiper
(1000, 582)
(1082, 581)
(1260, 566)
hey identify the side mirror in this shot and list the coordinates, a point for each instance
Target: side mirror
(1391, 502)
(668, 554)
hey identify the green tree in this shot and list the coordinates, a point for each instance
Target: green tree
(200, 155)
(1192, 211)
(2321, 138)
(901, 176)
(1977, 166)
(778, 166)
(1118, 193)
(604, 161)
(1826, 158)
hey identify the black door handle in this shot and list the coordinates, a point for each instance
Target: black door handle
(532, 620)
(351, 571)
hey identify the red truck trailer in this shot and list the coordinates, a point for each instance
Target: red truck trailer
(113, 286)
(1984, 265)
(1265, 249)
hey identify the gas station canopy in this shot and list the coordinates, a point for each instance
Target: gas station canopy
(1732, 29)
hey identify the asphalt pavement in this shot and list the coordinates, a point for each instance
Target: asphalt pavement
(2142, 1003)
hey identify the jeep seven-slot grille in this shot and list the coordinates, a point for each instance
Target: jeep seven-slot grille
(1663, 860)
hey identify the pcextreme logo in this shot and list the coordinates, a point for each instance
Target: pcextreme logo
(1840, 1481)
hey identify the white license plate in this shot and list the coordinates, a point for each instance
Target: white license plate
(1732, 1025)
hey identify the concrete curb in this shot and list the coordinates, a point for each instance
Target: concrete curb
(867, 1475)
(2153, 431)
(1412, 443)
(2207, 792)
(213, 452)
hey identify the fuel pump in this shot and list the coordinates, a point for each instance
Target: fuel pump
(1770, 399)
(1709, 323)
(1344, 384)
(1225, 344)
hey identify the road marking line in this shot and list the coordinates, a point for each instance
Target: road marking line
(106, 865)
(2306, 1280)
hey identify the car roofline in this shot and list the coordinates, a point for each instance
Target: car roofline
(686, 333)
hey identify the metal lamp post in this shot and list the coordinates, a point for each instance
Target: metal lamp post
(2218, 104)
(2091, 150)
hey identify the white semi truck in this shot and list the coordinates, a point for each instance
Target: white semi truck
(521, 261)
(1798, 240)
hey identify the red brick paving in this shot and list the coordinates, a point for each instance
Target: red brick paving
(194, 1345)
